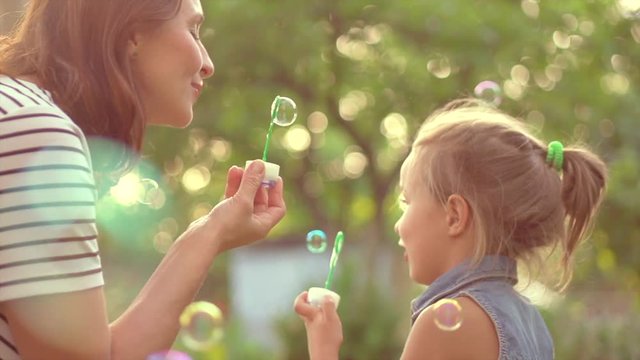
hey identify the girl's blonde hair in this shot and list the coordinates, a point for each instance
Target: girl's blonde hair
(519, 203)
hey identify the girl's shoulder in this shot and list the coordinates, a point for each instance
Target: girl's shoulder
(468, 334)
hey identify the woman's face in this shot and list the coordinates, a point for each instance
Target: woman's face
(169, 65)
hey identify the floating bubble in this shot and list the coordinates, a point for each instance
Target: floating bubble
(202, 325)
(448, 314)
(316, 241)
(489, 91)
(169, 355)
(149, 192)
(283, 111)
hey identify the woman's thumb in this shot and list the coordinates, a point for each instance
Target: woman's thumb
(251, 180)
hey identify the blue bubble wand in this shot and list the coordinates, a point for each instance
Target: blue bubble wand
(337, 248)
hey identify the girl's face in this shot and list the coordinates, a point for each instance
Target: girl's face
(169, 65)
(422, 229)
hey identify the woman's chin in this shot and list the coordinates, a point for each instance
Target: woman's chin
(175, 122)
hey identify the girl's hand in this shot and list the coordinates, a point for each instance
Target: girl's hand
(247, 213)
(324, 329)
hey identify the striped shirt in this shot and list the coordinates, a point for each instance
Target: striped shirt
(48, 236)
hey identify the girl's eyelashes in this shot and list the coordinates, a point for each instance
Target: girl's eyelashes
(402, 202)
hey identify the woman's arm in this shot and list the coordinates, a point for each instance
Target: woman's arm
(74, 325)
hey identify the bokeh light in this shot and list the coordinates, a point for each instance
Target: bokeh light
(131, 189)
(447, 314)
(440, 67)
(196, 178)
(316, 241)
(201, 325)
(297, 139)
(352, 103)
(354, 163)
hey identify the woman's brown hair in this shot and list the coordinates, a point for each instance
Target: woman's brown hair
(77, 49)
(519, 203)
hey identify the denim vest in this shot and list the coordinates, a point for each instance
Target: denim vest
(522, 333)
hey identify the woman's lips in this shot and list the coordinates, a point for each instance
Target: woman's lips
(197, 88)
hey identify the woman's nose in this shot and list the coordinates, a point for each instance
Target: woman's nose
(207, 69)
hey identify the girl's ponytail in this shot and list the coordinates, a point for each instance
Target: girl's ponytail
(584, 178)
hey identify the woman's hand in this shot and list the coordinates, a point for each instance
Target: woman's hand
(324, 329)
(248, 212)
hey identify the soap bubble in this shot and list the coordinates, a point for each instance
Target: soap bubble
(316, 241)
(448, 314)
(283, 111)
(150, 192)
(489, 91)
(169, 355)
(202, 325)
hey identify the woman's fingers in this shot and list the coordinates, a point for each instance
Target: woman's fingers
(234, 177)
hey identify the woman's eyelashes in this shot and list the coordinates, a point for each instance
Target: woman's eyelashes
(195, 32)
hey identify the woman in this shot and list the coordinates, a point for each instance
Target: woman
(100, 68)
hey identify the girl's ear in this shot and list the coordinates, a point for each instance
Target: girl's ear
(458, 215)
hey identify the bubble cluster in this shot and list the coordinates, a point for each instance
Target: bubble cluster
(489, 91)
(201, 325)
(448, 314)
(316, 241)
(283, 111)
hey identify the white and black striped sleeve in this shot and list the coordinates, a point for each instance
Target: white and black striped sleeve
(48, 236)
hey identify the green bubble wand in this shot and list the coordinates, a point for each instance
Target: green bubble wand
(337, 248)
(275, 106)
(283, 113)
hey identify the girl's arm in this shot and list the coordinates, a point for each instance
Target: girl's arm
(476, 339)
(324, 329)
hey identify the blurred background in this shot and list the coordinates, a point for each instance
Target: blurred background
(364, 76)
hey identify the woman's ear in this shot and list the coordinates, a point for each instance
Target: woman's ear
(133, 44)
(458, 215)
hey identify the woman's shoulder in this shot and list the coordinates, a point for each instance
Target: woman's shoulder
(441, 333)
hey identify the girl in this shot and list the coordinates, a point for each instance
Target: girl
(479, 192)
(100, 68)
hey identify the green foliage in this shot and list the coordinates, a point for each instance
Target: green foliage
(584, 332)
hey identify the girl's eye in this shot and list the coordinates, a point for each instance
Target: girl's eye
(402, 203)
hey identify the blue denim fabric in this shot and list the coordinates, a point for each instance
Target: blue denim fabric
(522, 333)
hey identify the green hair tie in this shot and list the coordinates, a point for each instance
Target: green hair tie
(555, 154)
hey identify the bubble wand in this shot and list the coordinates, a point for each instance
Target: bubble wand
(283, 113)
(337, 248)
